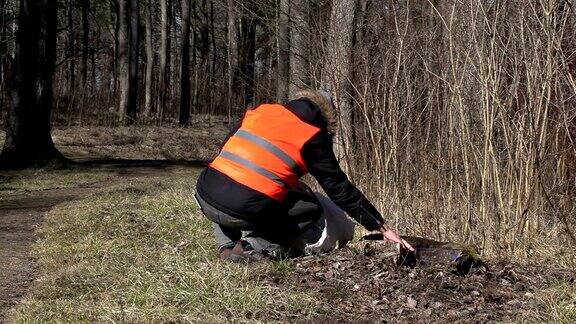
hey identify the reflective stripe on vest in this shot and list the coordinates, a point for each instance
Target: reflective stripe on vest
(249, 165)
(265, 154)
(270, 148)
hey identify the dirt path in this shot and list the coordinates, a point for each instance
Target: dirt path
(20, 214)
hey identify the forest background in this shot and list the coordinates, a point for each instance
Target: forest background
(458, 118)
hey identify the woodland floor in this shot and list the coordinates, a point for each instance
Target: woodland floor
(123, 241)
(27, 196)
(20, 214)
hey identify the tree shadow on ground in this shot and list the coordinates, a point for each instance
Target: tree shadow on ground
(135, 163)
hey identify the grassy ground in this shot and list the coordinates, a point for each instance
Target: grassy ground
(557, 304)
(200, 141)
(34, 180)
(139, 251)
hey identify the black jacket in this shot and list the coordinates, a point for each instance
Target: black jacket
(238, 200)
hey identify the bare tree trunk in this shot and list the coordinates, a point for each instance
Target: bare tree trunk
(116, 8)
(3, 52)
(134, 50)
(299, 42)
(358, 57)
(71, 45)
(14, 29)
(214, 58)
(202, 68)
(123, 59)
(149, 61)
(173, 63)
(185, 64)
(28, 140)
(247, 57)
(112, 71)
(283, 40)
(163, 56)
(337, 72)
(85, 40)
(232, 54)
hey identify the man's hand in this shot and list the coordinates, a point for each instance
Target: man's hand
(391, 236)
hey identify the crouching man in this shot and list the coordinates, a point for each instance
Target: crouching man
(253, 184)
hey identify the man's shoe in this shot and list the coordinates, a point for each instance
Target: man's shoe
(247, 257)
(242, 252)
(226, 250)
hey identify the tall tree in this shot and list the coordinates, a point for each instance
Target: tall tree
(134, 51)
(232, 54)
(283, 43)
(149, 60)
(185, 64)
(164, 56)
(337, 72)
(299, 42)
(85, 40)
(115, 13)
(71, 49)
(128, 45)
(123, 60)
(3, 49)
(247, 56)
(28, 139)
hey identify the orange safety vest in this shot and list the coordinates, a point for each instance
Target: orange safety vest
(265, 154)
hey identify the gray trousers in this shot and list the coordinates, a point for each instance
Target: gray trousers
(269, 233)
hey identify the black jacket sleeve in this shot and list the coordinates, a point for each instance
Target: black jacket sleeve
(319, 157)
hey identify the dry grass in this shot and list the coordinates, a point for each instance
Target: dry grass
(557, 304)
(465, 122)
(141, 252)
(199, 141)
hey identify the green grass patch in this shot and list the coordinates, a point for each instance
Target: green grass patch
(141, 252)
(44, 179)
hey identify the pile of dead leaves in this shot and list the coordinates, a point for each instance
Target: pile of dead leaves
(360, 283)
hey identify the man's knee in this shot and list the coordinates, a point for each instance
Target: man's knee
(305, 211)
